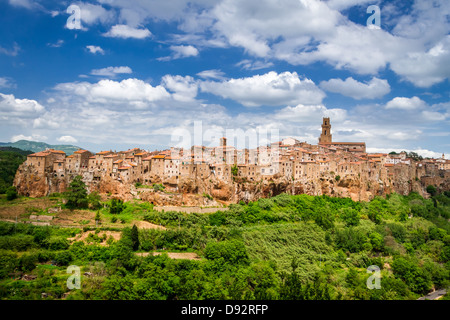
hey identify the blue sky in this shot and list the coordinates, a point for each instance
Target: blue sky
(137, 73)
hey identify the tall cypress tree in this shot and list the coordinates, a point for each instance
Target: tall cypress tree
(135, 237)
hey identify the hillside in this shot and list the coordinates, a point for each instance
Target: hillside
(283, 248)
(39, 146)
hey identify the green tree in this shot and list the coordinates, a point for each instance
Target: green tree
(431, 190)
(135, 237)
(11, 193)
(97, 217)
(232, 251)
(94, 200)
(116, 206)
(377, 241)
(415, 278)
(234, 170)
(76, 195)
(350, 216)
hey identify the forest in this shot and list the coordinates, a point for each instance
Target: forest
(288, 247)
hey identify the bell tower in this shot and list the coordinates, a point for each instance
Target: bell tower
(325, 137)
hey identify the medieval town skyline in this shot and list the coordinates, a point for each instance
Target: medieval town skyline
(115, 74)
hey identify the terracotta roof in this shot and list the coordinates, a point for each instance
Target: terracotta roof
(104, 152)
(140, 154)
(159, 156)
(110, 156)
(342, 143)
(93, 157)
(56, 151)
(147, 158)
(124, 168)
(81, 151)
(40, 154)
(388, 164)
(118, 161)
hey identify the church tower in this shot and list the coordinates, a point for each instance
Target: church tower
(325, 137)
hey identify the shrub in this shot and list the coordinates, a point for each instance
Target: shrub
(231, 251)
(437, 233)
(57, 243)
(350, 239)
(8, 262)
(265, 204)
(116, 206)
(11, 193)
(19, 242)
(63, 258)
(416, 279)
(283, 200)
(431, 190)
(94, 200)
(398, 231)
(217, 218)
(376, 240)
(158, 187)
(207, 196)
(350, 216)
(28, 261)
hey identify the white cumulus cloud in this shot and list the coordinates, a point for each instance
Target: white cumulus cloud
(270, 89)
(67, 139)
(12, 107)
(95, 50)
(111, 71)
(125, 31)
(179, 52)
(405, 103)
(375, 88)
(110, 91)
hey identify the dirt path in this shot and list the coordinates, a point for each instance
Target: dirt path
(82, 236)
(434, 295)
(172, 255)
(147, 225)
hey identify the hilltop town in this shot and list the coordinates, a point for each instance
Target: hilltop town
(224, 174)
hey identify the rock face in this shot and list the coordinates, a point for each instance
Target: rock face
(216, 192)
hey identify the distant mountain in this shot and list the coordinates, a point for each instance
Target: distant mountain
(16, 150)
(39, 146)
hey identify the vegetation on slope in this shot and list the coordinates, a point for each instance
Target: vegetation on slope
(10, 159)
(286, 247)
